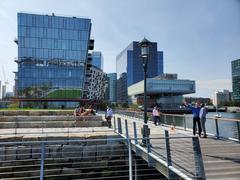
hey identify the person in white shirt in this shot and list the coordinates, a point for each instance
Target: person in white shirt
(202, 115)
(155, 115)
(108, 116)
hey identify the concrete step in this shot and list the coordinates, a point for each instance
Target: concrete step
(51, 121)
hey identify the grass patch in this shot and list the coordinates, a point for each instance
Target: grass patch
(65, 93)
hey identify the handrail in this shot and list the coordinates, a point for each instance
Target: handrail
(213, 118)
(183, 115)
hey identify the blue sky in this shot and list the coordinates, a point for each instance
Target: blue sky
(199, 38)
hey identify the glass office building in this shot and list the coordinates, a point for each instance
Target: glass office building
(52, 56)
(130, 62)
(112, 87)
(236, 80)
(97, 59)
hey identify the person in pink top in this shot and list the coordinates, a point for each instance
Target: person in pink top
(155, 115)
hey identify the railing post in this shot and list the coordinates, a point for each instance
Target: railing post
(135, 132)
(42, 126)
(165, 122)
(126, 127)
(168, 153)
(150, 160)
(119, 125)
(129, 150)
(200, 172)
(16, 126)
(238, 130)
(114, 123)
(184, 122)
(42, 161)
(217, 130)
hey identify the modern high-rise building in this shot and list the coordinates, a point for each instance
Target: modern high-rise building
(97, 83)
(221, 97)
(97, 59)
(53, 57)
(236, 80)
(129, 62)
(112, 87)
(4, 91)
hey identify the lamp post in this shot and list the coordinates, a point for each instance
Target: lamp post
(145, 44)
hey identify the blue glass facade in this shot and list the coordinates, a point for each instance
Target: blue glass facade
(112, 86)
(97, 59)
(52, 54)
(130, 62)
(236, 80)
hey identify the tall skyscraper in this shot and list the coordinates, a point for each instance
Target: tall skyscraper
(236, 80)
(112, 87)
(4, 91)
(221, 97)
(97, 59)
(52, 56)
(129, 64)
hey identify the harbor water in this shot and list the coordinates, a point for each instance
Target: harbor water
(227, 129)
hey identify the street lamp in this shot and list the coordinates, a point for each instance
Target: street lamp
(145, 44)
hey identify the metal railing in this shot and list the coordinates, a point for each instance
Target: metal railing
(218, 127)
(181, 155)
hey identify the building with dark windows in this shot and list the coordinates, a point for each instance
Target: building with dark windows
(111, 87)
(236, 80)
(53, 57)
(122, 89)
(97, 59)
(97, 84)
(129, 67)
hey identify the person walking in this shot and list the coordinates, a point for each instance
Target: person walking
(108, 116)
(159, 113)
(196, 120)
(202, 116)
(155, 115)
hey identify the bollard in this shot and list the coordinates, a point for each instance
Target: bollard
(200, 172)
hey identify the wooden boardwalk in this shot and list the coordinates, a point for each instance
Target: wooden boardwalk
(221, 157)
